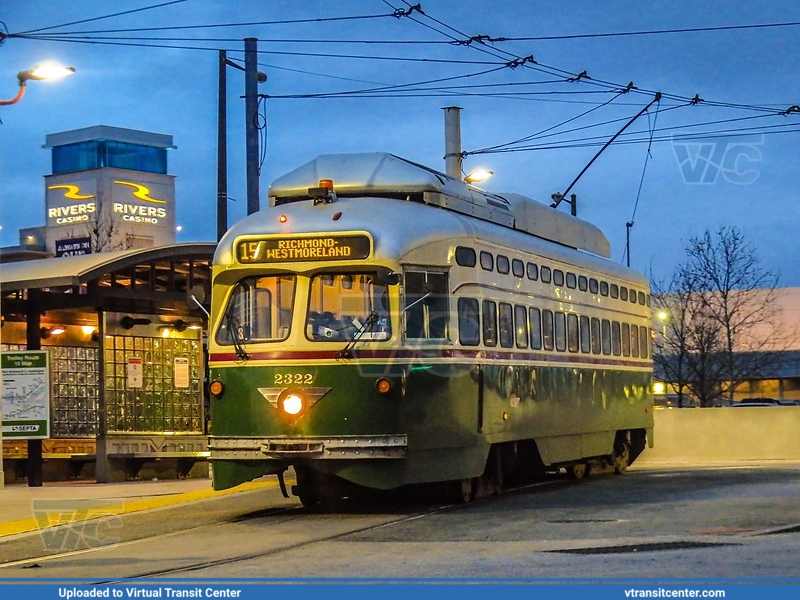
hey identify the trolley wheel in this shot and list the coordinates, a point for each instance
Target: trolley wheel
(465, 490)
(622, 456)
(579, 471)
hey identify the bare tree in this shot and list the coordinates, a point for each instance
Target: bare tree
(739, 295)
(688, 343)
(104, 233)
(722, 325)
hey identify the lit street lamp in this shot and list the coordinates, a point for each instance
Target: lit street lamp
(47, 71)
(478, 175)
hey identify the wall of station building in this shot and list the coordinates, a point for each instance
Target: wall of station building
(108, 209)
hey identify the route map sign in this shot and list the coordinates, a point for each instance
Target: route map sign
(26, 395)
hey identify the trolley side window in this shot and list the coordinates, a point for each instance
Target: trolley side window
(547, 329)
(487, 261)
(345, 305)
(645, 338)
(626, 340)
(634, 341)
(596, 335)
(586, 345)
(489, 323)
(426, 311)
(469, 322)
(521, 325)
(465, 257)
(506, 325)
(532, 271)
(572, 332)
(536, 328)
(606, 336)
(518, 268)
(259, 310)
(615, 338)
(561, 332)
(503, 266)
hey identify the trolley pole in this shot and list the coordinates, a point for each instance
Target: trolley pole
(251, 125)
(628, 226)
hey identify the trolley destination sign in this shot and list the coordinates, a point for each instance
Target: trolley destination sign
(290, 249)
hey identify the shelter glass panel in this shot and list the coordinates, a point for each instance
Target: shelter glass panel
(169, 395)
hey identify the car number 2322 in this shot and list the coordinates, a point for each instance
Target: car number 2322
(294, 378)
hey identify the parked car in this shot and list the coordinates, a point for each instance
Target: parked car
(757, 402)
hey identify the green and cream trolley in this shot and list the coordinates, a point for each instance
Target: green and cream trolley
(383, 324)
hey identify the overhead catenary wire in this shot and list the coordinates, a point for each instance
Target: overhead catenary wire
(110, 16)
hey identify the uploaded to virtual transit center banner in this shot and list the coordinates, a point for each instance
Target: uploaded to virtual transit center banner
(438, 589)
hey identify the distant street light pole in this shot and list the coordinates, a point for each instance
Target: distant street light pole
(251, 124)
(38, 73)
(222, 141)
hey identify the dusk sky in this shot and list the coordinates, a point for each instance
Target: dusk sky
(746, 78)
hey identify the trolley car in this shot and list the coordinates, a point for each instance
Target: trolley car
(382, 324)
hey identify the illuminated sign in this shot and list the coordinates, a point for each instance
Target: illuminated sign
(138, 213)
(142, 192)
(326, 247)
(72, 213)
(73, 247)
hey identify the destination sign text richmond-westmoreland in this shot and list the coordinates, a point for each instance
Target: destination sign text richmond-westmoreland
(296, 249)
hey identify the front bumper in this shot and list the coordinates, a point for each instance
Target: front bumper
(344, 447)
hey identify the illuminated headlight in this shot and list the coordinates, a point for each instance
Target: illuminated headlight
(292, 404)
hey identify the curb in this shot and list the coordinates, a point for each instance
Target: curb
(55, 519)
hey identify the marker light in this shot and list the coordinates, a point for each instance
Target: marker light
(216, 388)
(326, 183)
(282, 218)
(383, 386)
(292, 404)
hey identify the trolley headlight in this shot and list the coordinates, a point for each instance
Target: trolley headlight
(292, 404)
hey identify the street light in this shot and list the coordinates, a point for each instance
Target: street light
(478, 175)
(47, 71)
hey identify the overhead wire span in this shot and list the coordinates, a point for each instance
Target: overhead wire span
(205, 26)
(117, 14)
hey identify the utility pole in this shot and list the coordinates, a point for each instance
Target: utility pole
(251, 125)
(222, 147)
(452, 142)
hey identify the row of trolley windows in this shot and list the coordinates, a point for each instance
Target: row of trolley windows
(524, 327)
(467, 257)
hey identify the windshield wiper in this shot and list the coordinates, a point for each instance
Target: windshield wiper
(366, 327)
(233, 333)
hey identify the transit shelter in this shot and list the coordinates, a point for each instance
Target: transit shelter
(124, 336)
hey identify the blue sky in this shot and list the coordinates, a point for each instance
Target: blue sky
(751, 181)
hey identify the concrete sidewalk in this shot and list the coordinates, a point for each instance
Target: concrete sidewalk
(24, 509)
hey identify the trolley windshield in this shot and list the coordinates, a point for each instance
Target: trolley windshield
(347, 306)
(259, 310)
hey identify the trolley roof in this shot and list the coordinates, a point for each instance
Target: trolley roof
(386, 175)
